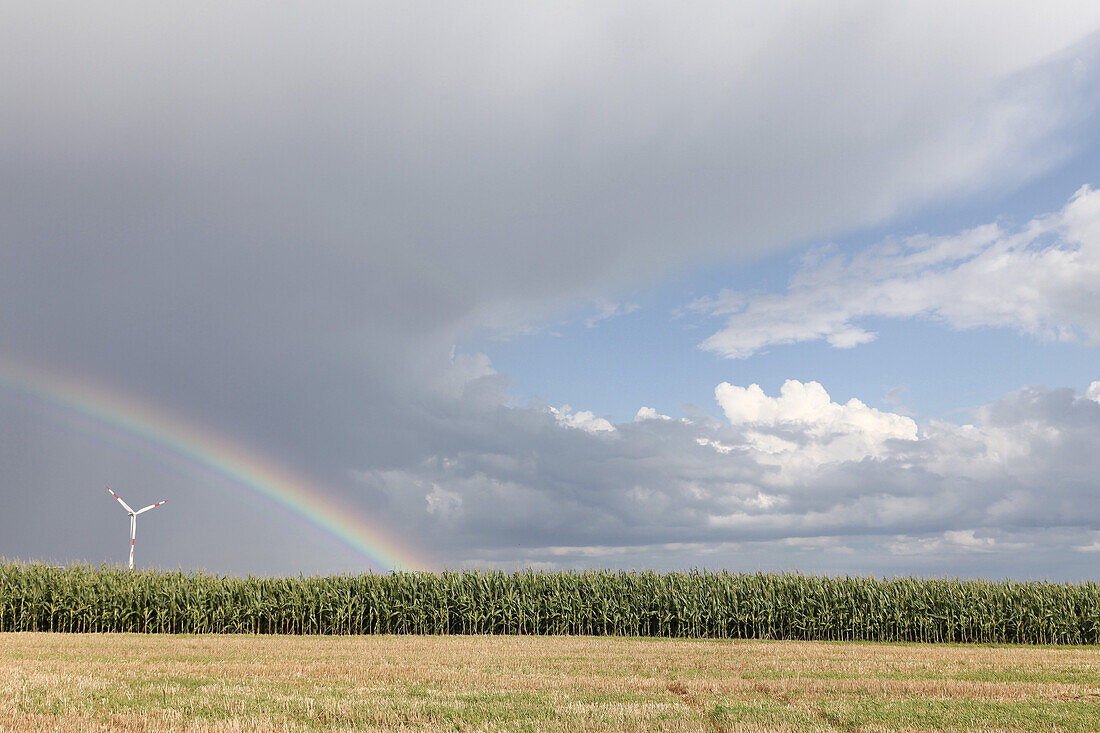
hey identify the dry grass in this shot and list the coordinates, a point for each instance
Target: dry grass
(388, 683)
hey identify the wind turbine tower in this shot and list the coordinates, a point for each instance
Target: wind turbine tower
(133, 519)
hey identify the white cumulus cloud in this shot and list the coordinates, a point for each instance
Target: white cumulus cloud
(1041, 279)
(1093, 392)
(649, 413)
(582, 420)
(804, 427)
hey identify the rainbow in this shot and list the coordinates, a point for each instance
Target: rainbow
(200, 447)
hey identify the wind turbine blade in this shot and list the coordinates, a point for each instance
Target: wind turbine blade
(120, 501)
(151, 506)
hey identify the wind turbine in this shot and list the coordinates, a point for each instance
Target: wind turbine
(133, 519)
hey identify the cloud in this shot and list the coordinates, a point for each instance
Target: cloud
(649, 413)
(442, 501)
(608, 309)
(1093, 392)
(894, 395)
(777, 471)
(1041, 279)
(803, 428)
(582, 420)
(965, 538)
(954, 543)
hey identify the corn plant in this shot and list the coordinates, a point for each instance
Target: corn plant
(721, 605)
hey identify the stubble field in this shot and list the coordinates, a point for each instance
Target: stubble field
(223, 682)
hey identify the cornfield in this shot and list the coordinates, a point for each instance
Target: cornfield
(36, 597)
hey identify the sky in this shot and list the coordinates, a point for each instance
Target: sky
(771, 286)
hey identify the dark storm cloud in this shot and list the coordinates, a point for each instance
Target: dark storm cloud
(280, 219)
